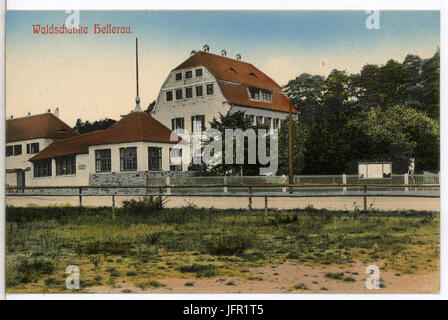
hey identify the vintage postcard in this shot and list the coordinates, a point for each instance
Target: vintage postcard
(222, 151)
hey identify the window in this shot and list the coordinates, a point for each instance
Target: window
(189, 92)
(177, 123)
(178, 94)
(9, 151)
(199, 91)
(267, 121)
(169, 96)
(266, 96)
(65, 165)
(175, 157)
(179, 76)
(102, 160)
(259, 120)
(128, 159)
(197, 123)
(198, 72)
(276, 124)
(251, 118)
(42, 168)
(254, 93)
(210, 89)
(188, 74)
(154, 159)
(32, 147)
(17, 149)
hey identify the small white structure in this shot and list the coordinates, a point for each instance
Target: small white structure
(374, 170)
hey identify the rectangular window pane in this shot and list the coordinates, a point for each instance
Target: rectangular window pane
(169, 95)
(189, 92)
(198, 72)
(179, 76)
(103, 160)
(178, 94)
(259, 120)
(199, 92)
(9, 151)
(66, 165)
(210, 89)
(17, 149)
(198, 123)
(188, 74)
(254, 93)
(177, 123)
(175, 158)
(128, 159)
(154, 159)
(42, 168)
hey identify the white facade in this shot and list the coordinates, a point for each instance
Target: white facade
(15, 163)
(86, 164)
(207, 105)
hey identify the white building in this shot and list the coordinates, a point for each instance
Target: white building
(25, 137)
(136, 144)
(206, 84)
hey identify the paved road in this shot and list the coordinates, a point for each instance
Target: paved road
(335, 203)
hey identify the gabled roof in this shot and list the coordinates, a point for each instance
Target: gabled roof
(235, 76)
(45, 125)
(136, 126)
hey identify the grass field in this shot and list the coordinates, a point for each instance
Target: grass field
(142, 245)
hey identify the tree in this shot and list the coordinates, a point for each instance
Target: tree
(236, 120)
(397, 134)
(335, 92)
(84, 127)
(299, 135)
(431, 85)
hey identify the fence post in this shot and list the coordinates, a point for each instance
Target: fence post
(113, 200)
(80, 197)
(365, 197)
(226, 189)
(265, 203)
(284, 182)
(168, 183)
(344, 181)
(406, 181)
(250, 198)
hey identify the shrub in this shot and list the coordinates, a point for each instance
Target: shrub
(201, 270)
(334, 275)
(27, 270)
(230, 245)
(142, 205)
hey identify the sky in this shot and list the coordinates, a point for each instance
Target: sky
(92, 76)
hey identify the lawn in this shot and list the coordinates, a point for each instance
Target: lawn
(143, 244)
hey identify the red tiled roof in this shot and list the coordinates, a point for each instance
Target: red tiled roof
(45, 125)
(136, 126)
(243, 75)
(237, 94)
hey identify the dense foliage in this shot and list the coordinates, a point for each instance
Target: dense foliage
(384, 113)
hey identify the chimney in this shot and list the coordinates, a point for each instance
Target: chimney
(29, 113)
(206, 48)
(223, 52)
(56, 112)
(238, 56)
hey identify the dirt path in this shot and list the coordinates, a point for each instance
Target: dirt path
(331, 203)
(283, 278)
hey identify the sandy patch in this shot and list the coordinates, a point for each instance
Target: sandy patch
(283, 278)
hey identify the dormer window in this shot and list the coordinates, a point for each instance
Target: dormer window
(260, 95)
(253, 74)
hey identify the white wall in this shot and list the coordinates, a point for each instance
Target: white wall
(142, 155)
(21, 161)
(81, 178)
(208, 105)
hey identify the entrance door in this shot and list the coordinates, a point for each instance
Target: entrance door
(21, 178)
